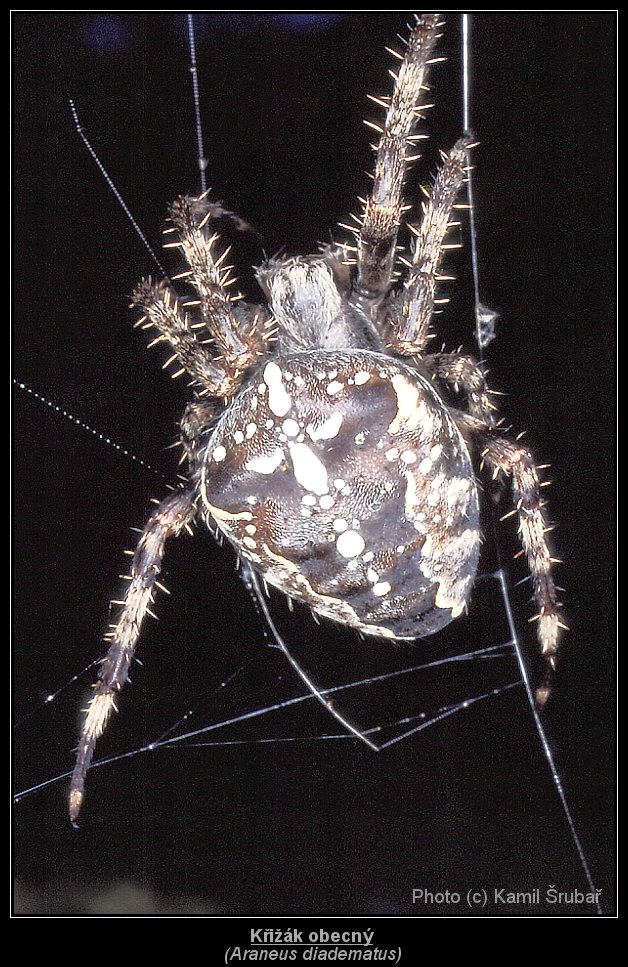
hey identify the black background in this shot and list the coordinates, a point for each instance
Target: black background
(306, 828)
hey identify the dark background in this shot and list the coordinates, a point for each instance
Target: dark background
(310, 827)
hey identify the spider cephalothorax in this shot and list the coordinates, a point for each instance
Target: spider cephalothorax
(320, 439)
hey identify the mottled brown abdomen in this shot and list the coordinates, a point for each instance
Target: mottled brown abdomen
(344, 480)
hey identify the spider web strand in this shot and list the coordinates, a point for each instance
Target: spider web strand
(485, 318)
(540, 729)
(201, 159)
(425, 719)
(102, 437)
(108, 179)
(253, 581)
(485, 332)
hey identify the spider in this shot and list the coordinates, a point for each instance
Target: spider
(321, 439)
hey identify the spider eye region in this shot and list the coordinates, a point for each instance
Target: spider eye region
(344, 480)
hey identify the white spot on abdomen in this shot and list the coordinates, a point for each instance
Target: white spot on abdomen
(334, 387)
(458, 493)
(350, 544)
(449, 565)
(290, 427)
(411, 410)
(327, 430)
(279, 401)
(266, 463)
(309, 471)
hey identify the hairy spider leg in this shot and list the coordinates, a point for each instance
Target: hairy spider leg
(412, 327)
(465, 374)
(505, 456)
(225, 323)
(383, 209)
(240, 338)
(172, 515)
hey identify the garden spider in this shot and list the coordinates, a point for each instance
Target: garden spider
(321, 439)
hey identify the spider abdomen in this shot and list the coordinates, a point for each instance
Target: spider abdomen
(343, 478)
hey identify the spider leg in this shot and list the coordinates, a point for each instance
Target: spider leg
(171, 516)
(239, 334)
(411, 327)
(509, 457)
(197, 419)
(465, 374)
(381, 218)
